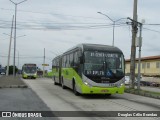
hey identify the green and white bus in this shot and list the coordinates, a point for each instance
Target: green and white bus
(29, 71)
(91, 69)
(56, 69)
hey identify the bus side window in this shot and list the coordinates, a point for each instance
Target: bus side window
(75, 59)
(71, 60)
(65, 61)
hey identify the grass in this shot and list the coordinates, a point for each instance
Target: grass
(143, 93)
(49, 74)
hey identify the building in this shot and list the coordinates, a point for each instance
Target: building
(150, 66)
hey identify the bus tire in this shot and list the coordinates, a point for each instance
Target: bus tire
(59, 82)
(75, 89)
(62, 84)
(55, 83)
(54, 79)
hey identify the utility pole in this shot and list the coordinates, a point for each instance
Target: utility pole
(9, 51)
(138, 43)
(18, 59)
(15, 34)
(139, 60)
(44, 63)
(133, 47)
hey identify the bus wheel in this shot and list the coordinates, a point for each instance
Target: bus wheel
(75, 90)
(63, 86)
(55, 83)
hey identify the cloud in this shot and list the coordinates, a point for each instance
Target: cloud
(58, 25)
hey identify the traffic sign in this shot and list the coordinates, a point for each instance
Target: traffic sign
(45, 64)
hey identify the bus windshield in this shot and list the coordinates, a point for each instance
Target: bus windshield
(30, 69)
(103, 64)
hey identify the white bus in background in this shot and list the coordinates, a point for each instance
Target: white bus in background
(29, 71)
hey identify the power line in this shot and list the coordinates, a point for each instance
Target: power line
(52, 14)
(48, 22)
(5, 56)
(152, 30)
(152, 24)
(62, 26)
(53, 22)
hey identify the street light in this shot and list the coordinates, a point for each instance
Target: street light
(15, 34)
(114, 21)
(9, 51)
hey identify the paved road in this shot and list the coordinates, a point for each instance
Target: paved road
(21, 99)
(58, 99)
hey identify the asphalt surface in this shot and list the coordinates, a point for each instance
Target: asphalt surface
(16, 95)
(59, 99)
(20, 99)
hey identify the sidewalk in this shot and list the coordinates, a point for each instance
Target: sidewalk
(11, 82)
(147, 88)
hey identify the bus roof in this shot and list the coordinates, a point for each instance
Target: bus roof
(98, 47)
(57, 57)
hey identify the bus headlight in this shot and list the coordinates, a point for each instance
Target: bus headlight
(87, 84)
(121, 84)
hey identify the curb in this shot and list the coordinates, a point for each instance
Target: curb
(142, 94)
(14, 86)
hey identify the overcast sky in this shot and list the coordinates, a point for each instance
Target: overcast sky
(57, 25)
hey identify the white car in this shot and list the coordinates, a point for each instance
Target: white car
(3, 72)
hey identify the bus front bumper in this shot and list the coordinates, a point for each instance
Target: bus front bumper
(102, 90)
(29, 76)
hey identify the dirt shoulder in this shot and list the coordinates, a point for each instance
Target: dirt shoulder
(11, 82)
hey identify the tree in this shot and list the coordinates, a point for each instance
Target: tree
(11, 69)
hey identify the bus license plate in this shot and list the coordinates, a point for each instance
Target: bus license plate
(104, 91)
